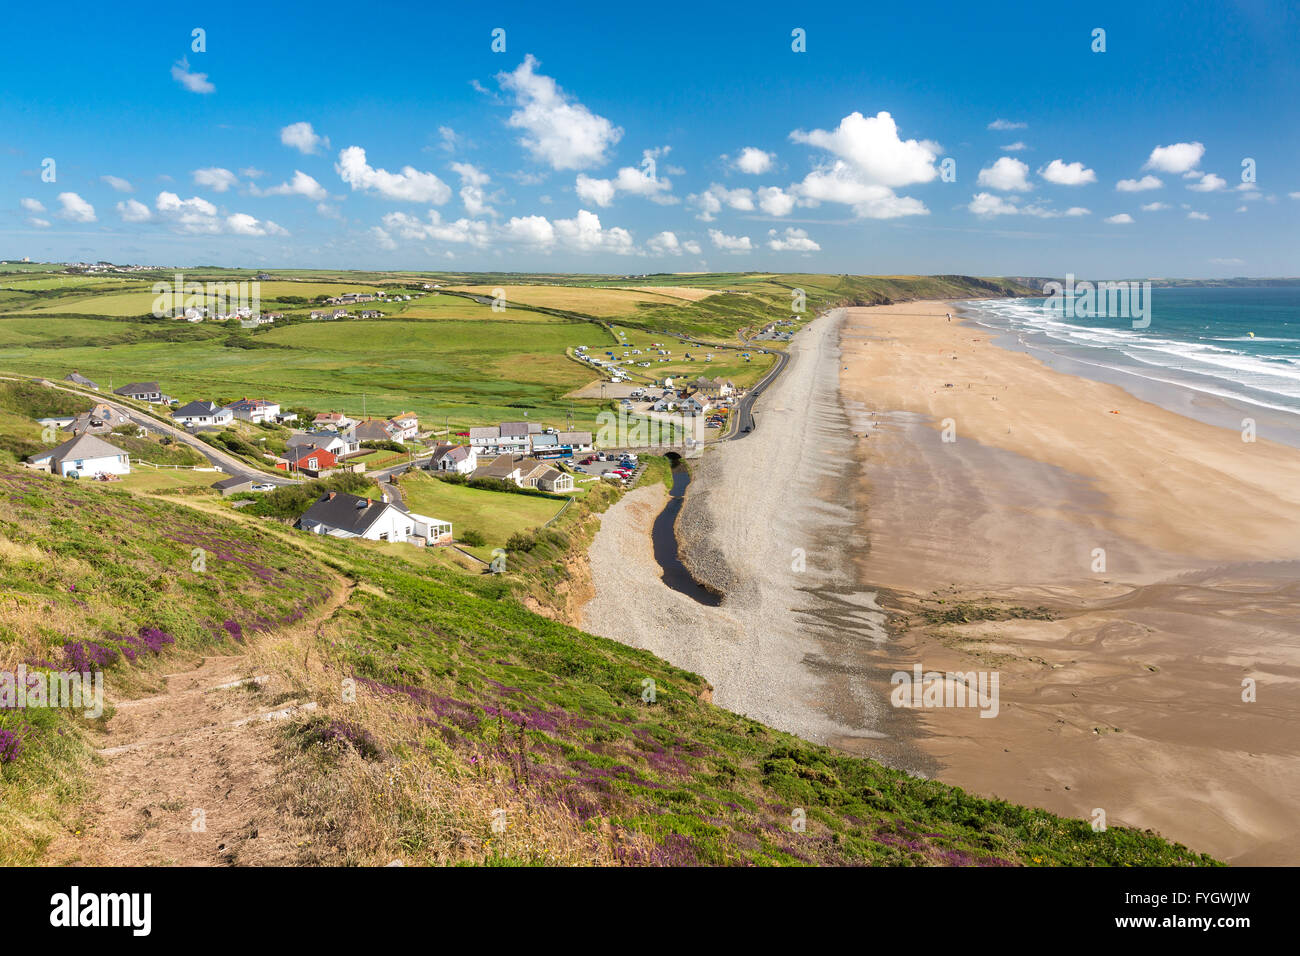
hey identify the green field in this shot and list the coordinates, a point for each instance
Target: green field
(445, 357)
(496, 515)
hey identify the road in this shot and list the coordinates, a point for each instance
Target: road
(742, 416)
(228, 463)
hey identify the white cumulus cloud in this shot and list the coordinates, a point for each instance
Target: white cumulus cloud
(118, 183)
(1061, 173)
(754, 161)
(1176, 158)
(1208, 183)
(194, 82)
(1139, 185)
(300, 185)
(1119, 219)
(75, 209)
(792, 240)
(215, 178)
(557, 129)
(726, 243)
(409, 185)
(303, 138)
(1006, 174)
(132, 210)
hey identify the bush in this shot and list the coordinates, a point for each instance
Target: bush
(290, 501)
(473, 537)
(523, 541)
(384, 445)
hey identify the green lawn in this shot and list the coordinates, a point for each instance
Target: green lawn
(497, 515)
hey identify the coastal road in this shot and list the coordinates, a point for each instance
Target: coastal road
(742, 418)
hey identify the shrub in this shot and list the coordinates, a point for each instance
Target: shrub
(473, 537)
(522, 541)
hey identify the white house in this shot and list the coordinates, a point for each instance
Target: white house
(458, 458)
(254, 410)
(84, 455)
(341, 515)
(202, 413)
(331, 441)
(697, 404)
(408, 424)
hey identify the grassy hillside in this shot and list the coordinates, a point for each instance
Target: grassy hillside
(468, 710)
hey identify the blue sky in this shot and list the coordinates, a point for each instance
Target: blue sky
(393, 136)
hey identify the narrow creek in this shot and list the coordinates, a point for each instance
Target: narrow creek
(664, 537)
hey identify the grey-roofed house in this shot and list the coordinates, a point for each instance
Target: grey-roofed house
(576, 441)
(377, 429)
(100, 420)
(202, 413)
(83, 455)
(76, 378)
(235, 484)
(546, 443)
(341, 515)
(458, 458)
(143, 392)
(554, 480)
(330, 441)
(504, 468)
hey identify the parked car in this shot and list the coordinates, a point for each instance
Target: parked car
(263, 486)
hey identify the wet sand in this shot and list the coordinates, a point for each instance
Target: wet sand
(1131, 700)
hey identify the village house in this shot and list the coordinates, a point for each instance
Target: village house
(695, 404)
(335, 420)
(713, 387)
(526, 473)
(575, 441)
(235, 485)
(462, 459)
(546, 444)
(554, 480)
(84, 455)
(341, 515)
(100, 420)
(339, 444)
(255, 410)
(408, 424)
(311, 461)
(196, 414)
(147, 392)
(76, 378)
(377, 429)
(371, 314)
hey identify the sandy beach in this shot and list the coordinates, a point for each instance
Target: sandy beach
(846, 518)
(1131, 700)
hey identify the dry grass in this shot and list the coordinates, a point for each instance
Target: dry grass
(688, 293)
(418, 801)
